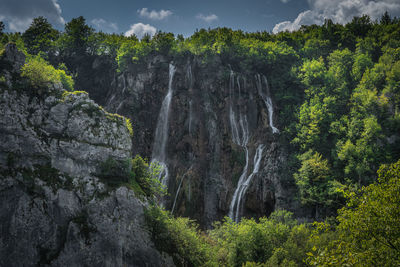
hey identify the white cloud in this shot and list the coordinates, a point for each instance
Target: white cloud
(140, 29)
(285, 1)
(207, 18)
(19, 14)
(339, 11)
(104, 25)
(155, 15)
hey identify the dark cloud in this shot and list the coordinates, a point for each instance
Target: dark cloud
(18, 14)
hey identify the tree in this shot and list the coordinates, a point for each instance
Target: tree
(315, 183)
(39, 37)
(369, 229)
(75, 43)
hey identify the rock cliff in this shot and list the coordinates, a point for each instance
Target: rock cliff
(54, 209)
(213, 109)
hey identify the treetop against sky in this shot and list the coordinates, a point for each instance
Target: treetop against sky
(184, 17)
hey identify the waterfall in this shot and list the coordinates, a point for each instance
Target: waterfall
(161, 135)
(267, 100)
(232, 214)
(240, 136)
(241, 190)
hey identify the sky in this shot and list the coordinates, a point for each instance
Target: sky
(184, 17)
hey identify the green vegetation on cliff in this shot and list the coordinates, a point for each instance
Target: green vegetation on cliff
(337, 88)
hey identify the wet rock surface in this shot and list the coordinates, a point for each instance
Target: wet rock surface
(202, 155)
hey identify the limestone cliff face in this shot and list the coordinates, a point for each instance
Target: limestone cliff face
(54, 210)
(206, 151)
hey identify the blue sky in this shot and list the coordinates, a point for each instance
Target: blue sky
(184, 17)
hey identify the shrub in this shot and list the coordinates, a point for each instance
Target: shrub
(136, 174)
(41, 74)
(179, 237)
(146, 175)
(129, 126)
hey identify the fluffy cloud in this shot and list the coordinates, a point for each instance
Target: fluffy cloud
(207, 18)
(340, 11)
(155, 15)
(18, 14)
(285, 1)
(104, 25)
(140, 29)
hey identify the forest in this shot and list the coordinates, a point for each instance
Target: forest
(338, 92)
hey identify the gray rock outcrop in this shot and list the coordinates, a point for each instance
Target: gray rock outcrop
(54, 209)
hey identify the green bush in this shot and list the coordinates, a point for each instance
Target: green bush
(180, 238)
(146, 175)
(41, 74)
(136, 174)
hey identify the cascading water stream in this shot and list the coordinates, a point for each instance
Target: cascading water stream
(161, 135)
(241, 192)
(233, 213)
(241, 140)
(232, 117)
(267, 100)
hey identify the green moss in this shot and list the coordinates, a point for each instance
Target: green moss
(68, 93)
(129, 126)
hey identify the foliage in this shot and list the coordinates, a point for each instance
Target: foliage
(129, 126)
(338, 92)
(315, 183)
(275, 241)
(40, 36)
(179, 237)
(41, 74)
(368, 233)
(136, 174)
(146, 175)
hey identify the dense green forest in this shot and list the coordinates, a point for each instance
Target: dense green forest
(337, 88)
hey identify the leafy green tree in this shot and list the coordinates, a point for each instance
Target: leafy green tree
(368, 233)
(362, 62)
(40, 36)
(316, 185)
(76, 45)
(77, 36)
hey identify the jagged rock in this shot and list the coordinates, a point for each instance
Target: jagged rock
(12, 55)
(54, 210)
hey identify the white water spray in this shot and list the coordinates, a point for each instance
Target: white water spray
(161, 135)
